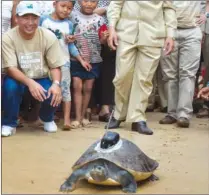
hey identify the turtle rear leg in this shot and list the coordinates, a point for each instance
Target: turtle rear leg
(127, 181)
(70, 184)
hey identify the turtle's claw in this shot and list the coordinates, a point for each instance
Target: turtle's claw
(129, 190)
(153, 178)
(67, 187)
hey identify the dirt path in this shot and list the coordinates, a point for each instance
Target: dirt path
(37, 162)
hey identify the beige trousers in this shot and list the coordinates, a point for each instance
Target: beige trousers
(135, 68)
(206, 58)
(179, 71)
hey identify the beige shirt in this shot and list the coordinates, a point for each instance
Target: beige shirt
(145, 22)
(187, 13)
(33, 57)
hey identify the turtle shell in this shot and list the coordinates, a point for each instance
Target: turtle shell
(124, 154)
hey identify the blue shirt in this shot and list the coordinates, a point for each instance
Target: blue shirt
(61, 28)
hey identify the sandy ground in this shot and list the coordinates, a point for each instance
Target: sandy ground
(37, 162)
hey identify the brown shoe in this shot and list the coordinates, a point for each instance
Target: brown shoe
(203, 113)
(168, 120)
(183, 122)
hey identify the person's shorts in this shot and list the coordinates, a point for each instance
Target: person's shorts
(65, 82)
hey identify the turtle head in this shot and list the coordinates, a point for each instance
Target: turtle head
(99, 173)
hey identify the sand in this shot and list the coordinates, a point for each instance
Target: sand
(37, 162)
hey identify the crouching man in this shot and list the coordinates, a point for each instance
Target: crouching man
(30, 53)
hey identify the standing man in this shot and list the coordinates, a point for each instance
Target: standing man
(138, 30)
(29, 55)
(180, 68)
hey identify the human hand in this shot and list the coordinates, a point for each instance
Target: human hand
(70, 38)
(56, 93)
(86, 65)
(169, 45)
(36, 90)
(16, 2)
(113, 38)
(104, 36)
(204, 93)
(100, 11)
(201, 20)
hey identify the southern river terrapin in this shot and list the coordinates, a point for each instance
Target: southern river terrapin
(112, 161)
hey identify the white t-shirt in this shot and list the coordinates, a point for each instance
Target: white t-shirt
(6, 15)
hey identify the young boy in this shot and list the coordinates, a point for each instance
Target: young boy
(87, 26)
(59, 24)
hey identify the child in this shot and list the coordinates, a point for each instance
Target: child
(87, 25)
(58, 23)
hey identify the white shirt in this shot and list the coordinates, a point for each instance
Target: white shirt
(6, 15)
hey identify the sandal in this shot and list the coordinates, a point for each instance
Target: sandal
(85, 122)
(105, 117)
(66, 128)
(75, 125)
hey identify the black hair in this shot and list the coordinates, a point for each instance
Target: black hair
(73, 1)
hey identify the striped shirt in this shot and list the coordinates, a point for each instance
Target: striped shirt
(86, 28)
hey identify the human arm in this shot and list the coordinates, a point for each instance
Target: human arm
(207, 6)
(55, 60)
(102, 7)
(36, 90)
(104, 37)
(10, 65)
(170, 24)
(55, 89)
(75, 53)
(13, 19)
(204, 9)
(113, 15)
(103, 34)
(100, 11)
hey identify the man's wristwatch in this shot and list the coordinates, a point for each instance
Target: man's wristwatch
(207, 14)
(56, 83)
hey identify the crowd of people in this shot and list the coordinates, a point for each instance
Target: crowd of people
(115, 56)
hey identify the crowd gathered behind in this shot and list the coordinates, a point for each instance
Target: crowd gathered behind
(121, 57)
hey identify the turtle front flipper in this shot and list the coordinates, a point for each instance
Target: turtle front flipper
(70, 184)
(127, 181)
(153, 178)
